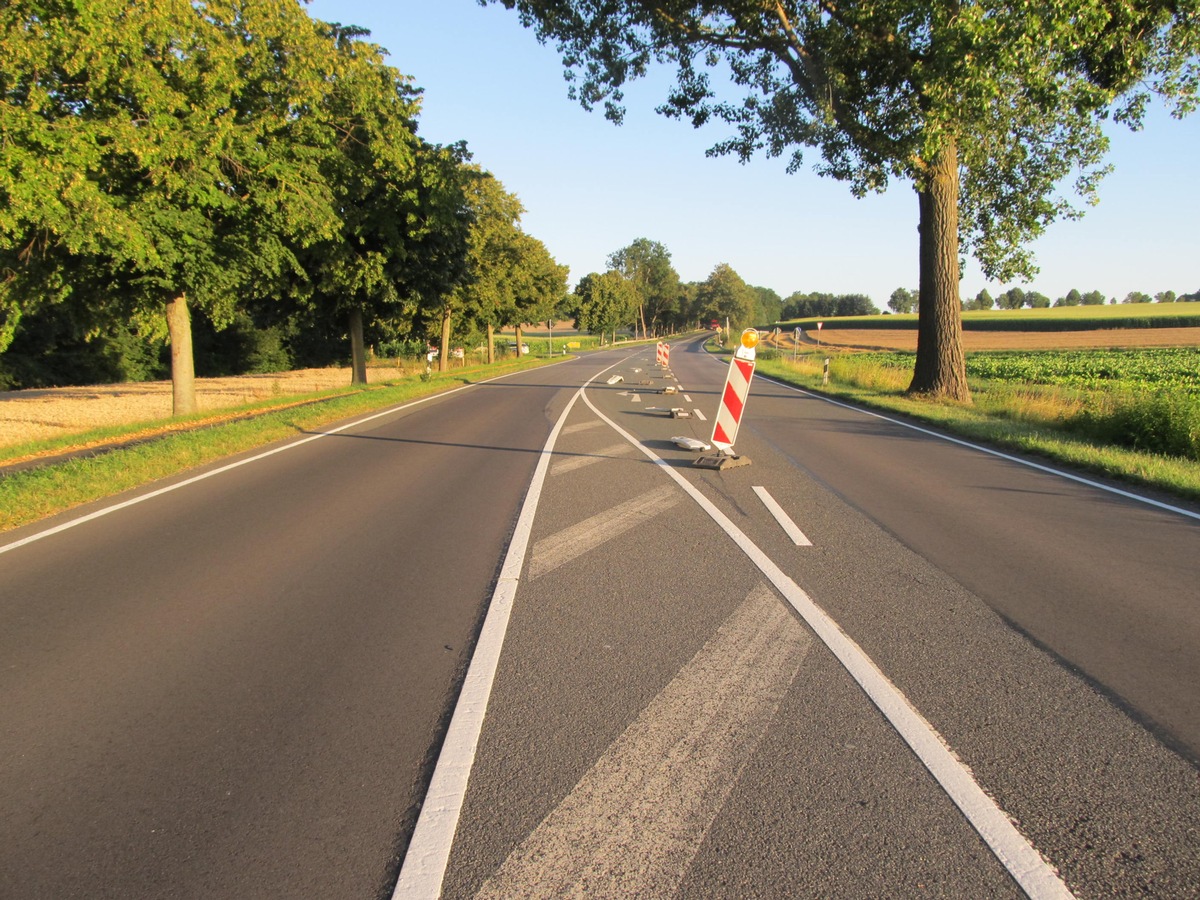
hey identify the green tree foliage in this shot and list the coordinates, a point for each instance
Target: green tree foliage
(1013, 298)
(903, 300)
(158, 156)
(604, 302)
(1036, 300)
(540, 284)
(1137, 297)
(1164, 297)
(981, 301)
(401, 240)
(1071, 298)
(1093, 298)
(725, 296)
(768, 306)
(512, 278)
(802, 306)
(647, 265)
(984, 107)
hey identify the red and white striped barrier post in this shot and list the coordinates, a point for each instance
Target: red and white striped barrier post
(664, 350)
(733, 398)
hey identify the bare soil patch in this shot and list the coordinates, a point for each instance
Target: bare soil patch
(38, 414)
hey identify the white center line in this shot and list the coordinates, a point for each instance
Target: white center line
(784, 520)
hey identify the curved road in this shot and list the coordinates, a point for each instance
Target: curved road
(237, 688)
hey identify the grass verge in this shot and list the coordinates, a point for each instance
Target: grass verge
(157, 450)
(1015, 417)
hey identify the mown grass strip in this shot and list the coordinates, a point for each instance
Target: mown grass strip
(26, 496)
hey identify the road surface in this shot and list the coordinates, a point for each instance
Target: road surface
(971, 678)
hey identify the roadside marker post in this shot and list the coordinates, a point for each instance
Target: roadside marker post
(732, 406)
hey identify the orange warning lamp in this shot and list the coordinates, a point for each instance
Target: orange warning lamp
(749, 338)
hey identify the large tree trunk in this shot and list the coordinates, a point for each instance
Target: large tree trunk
(491, 350)
(518, 342)
(183, 367)
(444, 350)
(358, 354)
(941, 369)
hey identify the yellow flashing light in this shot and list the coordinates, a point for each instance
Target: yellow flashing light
(749, 338)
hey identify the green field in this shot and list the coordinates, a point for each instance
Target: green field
(1173, 370)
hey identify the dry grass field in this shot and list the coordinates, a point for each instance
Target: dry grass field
(55, 412)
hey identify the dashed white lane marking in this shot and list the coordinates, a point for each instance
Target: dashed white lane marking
(570, 464)
(634, 822)
(571, 543)
(785, 521)
(1036, 877)
(699, 415)
(687, 399)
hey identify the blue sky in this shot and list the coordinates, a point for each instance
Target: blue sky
(590, 187)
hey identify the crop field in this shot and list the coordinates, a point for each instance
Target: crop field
(1148, 316)
(1165, 370)
(1097, 338)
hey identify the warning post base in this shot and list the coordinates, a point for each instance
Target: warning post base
(721, 461)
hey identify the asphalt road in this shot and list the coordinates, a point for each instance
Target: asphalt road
(238, 688)
(234, 689)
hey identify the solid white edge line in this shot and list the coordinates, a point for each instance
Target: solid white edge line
(424, 866)
(1049, 470)
(785, 521)
(1036, 877)
(141, 498)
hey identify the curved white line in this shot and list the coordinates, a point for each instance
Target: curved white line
(424, 866)
(1036, 877)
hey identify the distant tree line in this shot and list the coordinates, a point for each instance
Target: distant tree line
(641, 292)
(1016, 298)
(227, 188)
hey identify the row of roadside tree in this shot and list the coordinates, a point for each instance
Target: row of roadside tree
(245, 166)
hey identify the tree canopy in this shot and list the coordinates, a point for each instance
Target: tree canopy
(604, 302)
(241, 161)
(724, 295)
(159, 155)
(985, 107)
(647, 266)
